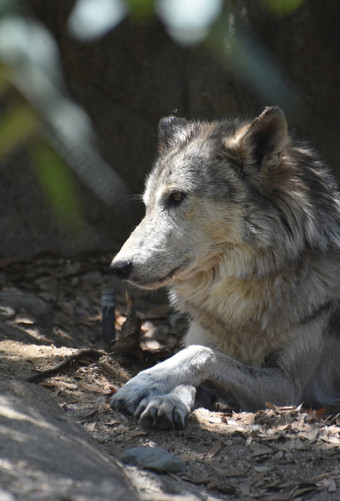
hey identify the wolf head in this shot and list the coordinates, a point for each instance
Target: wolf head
(231, 191)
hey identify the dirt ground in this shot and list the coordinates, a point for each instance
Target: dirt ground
(51, 307)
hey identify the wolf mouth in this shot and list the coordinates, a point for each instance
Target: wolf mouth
(160, 282)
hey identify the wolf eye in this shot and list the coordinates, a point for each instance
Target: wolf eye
(176, 198)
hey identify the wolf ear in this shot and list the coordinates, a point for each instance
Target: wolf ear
(171, 131)
(264, 139)
(267, 137)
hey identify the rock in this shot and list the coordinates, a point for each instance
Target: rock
(153, 458)
(6, 496)
(93, 277)
(25, 302)
(45, 455)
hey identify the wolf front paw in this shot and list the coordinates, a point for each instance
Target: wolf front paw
(128, 398)
(164, 412)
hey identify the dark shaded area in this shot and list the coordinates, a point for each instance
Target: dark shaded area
(136, 74)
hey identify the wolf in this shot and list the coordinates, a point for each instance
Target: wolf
(242, 225)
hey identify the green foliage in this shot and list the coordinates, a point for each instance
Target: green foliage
(5, 78)
(56, 181)
(282, 7)
(30, 68)
(141, 9)
(17, 126)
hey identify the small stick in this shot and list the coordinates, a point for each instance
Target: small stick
(67, 362)
(128, 340)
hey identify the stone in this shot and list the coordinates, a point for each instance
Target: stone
(153, 458)
(24, 302)
(45, 455)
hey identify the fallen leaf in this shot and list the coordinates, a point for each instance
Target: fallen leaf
(214, 450)
(313, 434)
(247, 417)
(302, 490)
(229, 472)
(315, 415)
(271, 406)
(263, 467)
(262, 450)
(258, 477)
(284, 427)
(331, 440)
(95, 388)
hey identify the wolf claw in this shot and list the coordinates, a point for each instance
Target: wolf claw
(165, 412)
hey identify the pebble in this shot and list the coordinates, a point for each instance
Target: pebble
(153, 458)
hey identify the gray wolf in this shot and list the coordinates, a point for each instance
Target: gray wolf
(242, 225)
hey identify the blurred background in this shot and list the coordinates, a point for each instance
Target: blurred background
(83, 85)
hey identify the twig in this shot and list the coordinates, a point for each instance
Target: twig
(67, 362)
(128, 339)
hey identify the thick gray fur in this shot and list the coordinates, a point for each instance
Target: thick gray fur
(242, 225)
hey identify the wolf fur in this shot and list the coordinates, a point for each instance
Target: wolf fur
(242, 225)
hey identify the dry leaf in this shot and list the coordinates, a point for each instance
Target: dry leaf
(315, 415)
(214, 450)
(95, 388)
(262, 450)
(271, 406)
(229, 473)
(258, 477)
(249, 441)
(331, 440)
(313, 434)
(301, 491)
(263, 467)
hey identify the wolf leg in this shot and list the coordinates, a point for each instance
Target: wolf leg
(167, 389)
(176, 377)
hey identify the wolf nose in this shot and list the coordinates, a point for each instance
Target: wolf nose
(122, 269)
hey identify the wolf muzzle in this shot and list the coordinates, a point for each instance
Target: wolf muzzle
(122, 269)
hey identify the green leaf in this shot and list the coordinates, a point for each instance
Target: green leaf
(17, 126)
(57, 183)
(141, 9)
(282, 7)
(5, 78)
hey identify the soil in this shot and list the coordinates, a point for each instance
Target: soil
(50, 308)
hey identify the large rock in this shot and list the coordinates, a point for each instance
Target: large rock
(44, 455)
